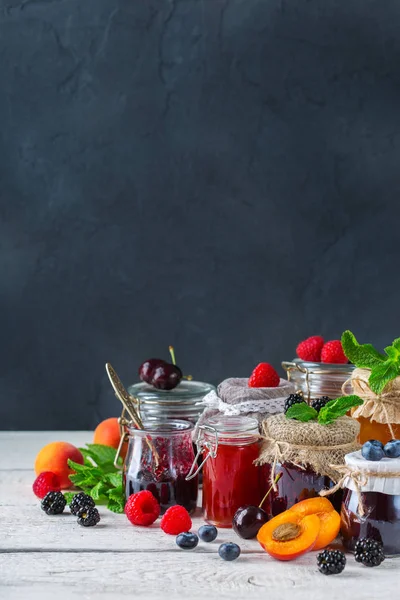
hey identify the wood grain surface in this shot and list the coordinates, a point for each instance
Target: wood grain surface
(44, 557)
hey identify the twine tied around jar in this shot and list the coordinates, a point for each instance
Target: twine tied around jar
(359, 478)
(383, 408)
(307, 445)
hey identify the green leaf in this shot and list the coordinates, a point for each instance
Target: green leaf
(100, 489)
(116, 493)
(381, 375)
(396, 344)
(68, 496)
(116, 505)
(361, 355)
(102, 455)
(337, 408)
(301, 412)
(114, 479)
(392, 353)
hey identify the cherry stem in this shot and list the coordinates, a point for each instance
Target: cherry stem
(277, 478)
(172, 353)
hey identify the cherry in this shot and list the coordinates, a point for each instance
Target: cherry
(147, 368)
(160, 374)
(166, 377)
(248, 520)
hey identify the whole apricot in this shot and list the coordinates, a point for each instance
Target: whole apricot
(108, 433)
(54, 457)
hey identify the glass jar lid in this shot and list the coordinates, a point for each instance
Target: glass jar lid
(163, 428)
(233, 427)
(186, 391)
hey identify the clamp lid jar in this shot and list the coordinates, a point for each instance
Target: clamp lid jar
(229, 446)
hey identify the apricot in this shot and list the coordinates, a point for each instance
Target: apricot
(289, 535)
(108, 433)
(329, 518)
(54, 457)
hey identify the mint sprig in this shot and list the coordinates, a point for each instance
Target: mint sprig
(328, 414)
(384, 367)
(337, 408)
(301, 412)
(98, 477)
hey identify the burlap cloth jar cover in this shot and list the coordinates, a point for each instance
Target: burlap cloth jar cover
(383, 408)
(308, 445)
(234, 397)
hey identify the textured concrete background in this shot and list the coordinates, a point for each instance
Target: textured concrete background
(222, 175)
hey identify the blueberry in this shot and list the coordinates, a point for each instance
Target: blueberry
(187, 541)
(392, 449)
(372, 450)
(208, 533)
(229, 551)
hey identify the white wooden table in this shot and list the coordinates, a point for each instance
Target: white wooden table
(43, 557)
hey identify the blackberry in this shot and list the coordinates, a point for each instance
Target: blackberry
(88, 516)
(293, 399)
(331, 562)
(79, 501)
(320, 403)
(369, 552)
(53, 503)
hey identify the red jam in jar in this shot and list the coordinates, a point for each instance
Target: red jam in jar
(375, 513)
(230, 477)
(159, 458)
(295, 484)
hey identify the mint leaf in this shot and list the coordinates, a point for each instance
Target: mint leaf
(396, 344)
(100, 489)
(392, 353)
(115, 479)
(68, 496)
(102, 455)
(337, 408)
(361, 355)
(301, 412)
(116, 503)
(382, 374)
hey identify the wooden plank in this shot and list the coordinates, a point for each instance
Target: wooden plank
(192, 574)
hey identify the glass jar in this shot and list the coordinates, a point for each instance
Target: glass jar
(295, 484)
(230, 445)
(183, 402)
(317, 379)
(375, 513)
(372, 430)
(159, 459)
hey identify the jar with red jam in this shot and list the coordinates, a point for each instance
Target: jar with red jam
(159, 458)
(230, 447)
(372, 510)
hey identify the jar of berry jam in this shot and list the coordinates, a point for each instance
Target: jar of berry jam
(159, 458)
(230, 446)
(371, 502)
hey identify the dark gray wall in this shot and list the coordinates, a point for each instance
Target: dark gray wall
(222, 175)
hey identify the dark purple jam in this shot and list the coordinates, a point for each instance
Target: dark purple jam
(381, 520)
(164, 478)
(296, 484)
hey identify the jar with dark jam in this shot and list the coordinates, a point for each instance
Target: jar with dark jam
(295, 484)
(375, 512)
(230, 477)
(159, 458)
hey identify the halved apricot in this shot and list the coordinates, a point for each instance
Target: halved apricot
(289, 535)
(330, 519)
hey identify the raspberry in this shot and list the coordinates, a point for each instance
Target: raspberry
(264, 375)
(333, 353)
(176, 520)
(310, 349)
(46, 482)
(142, 508)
